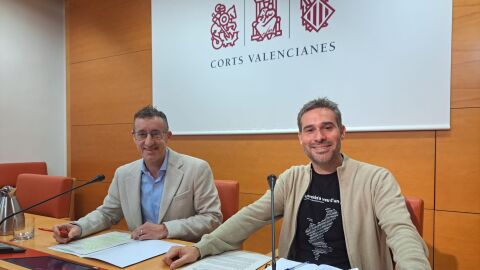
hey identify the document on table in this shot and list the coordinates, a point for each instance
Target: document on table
(116, 248)
(232, 260)
(284, 264)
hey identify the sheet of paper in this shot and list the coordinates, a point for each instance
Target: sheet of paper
(116, 248)
(284, 264)
(93, 244)
(133, 252)
(232, 260)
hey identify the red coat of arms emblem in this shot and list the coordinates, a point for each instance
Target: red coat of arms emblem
(223, 31)
(315, 14)
(267, 23)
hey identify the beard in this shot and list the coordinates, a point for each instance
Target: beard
(321, 158)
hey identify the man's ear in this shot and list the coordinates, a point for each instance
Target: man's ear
(343, 132)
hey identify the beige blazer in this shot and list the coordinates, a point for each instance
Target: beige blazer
(190, 204)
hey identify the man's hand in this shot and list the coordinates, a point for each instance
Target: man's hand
(149, 231)
(178, 256)
(66, 232)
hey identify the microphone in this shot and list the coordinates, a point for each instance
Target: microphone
(271, 183)
(97, 178)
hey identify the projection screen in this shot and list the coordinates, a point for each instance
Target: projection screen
(237, 67)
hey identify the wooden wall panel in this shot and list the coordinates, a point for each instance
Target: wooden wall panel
(110, 90)
(89, 197)
(105, 28)
(100, 149)
(466, 54)
(248, 159)
(458, 163)
(408, 155)
(457, 238)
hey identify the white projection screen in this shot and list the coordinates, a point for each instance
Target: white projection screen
(239, 67)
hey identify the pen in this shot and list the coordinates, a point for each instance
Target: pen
(63, 233)
(45, 229)
(297, 266)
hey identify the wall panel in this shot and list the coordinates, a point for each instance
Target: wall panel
(110, 90)
(457, 238)
(466, 54)
(99, 29)
(100, 149)
(248, 159)
(89, 197)
(458, 163)
(408, 155)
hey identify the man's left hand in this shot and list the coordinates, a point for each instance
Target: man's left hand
(148, 231)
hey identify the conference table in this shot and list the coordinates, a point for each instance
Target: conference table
(43, 239)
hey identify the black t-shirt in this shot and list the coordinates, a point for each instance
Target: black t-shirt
(319, 237)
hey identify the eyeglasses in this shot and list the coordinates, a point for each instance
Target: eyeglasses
(154, 134)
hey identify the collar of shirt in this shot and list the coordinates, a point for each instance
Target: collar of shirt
(162, 169)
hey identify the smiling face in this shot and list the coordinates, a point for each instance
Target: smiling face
(152, 149)
(321, 138)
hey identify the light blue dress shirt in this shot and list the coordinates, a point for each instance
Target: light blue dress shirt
(151, 191)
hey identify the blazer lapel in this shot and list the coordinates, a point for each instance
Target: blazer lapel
(132, 194)
(173, 179)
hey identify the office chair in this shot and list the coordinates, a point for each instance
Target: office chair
(10, 171)
(415, 208)
(228, 191)
(34, 188)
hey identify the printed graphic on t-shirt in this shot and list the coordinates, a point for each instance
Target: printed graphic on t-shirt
(319, 236)
(316, 233)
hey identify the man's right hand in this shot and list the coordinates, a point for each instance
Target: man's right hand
(178, 256)
(66, 232)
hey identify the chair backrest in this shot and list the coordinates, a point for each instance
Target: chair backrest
(10, 171)
(415, 208)
(34, 188)
(229, 192)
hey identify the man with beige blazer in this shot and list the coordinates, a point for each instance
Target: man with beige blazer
(163, 195)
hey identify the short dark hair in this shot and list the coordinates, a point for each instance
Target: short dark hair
(150, 112)
(319, 103)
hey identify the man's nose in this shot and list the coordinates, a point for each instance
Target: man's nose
(148, 139)
(320, 136)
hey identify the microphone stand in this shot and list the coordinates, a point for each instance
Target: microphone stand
(97, 178)
(271, 183)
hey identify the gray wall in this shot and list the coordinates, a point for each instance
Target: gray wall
(32, 83)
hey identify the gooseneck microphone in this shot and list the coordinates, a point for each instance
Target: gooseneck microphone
(271, 183)
(97, 178)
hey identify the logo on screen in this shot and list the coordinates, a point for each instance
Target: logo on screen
(267, 23)
(224, 28)
(315, 14)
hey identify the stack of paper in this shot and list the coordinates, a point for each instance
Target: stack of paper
(116, 248)
(284, 264)
(232, 260)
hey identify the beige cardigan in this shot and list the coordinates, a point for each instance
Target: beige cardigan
(374, 216)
